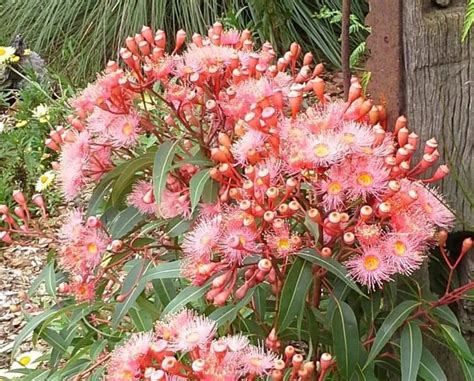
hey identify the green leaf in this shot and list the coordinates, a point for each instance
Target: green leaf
(165, 289)
(430, 370)
(31, 325)
(313, 227)
(50, 280)
(210, 193)
(345, 333)
(457, 342)
(54, 339)
(141, 319)
(467, 368)
(223, 315)
(333, 266)
(161, 165)
(260, 300)
(141, 274)
(293, 294)
(411, 344)
(101, 190)
(125, 222)
(178, 226)
(127, 175)
(196, 187)
(189, 294)
(394, 320)
(445, 313)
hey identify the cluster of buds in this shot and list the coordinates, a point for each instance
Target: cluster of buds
(288, 161)
(184, 346)
(20, 221)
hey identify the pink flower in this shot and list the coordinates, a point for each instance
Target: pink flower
(357, 136)
(256, 361)
(142, 198)
(72, 165)
(434, 207)
(73, 228)
(252, 141)
(281, 242)
(93, 243)
(124, 130)
(368, 177)
(174, 204)
(402, 252)
(84, 290)
(126, 362)
(194, 333)
(370, 269)
(334, 188)
(324, 150)
(203, 239)
(237, 243)
(167, 328)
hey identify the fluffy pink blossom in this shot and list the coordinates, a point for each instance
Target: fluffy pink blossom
(368, 177)
(256, 361)
(370, 269)
(252, 141)
(193, 334)
(403, 252)
(324, 149)
(126, 362)
(203, 239)
(142, 198)
(237, 243)
(434, 207)
(174, 204)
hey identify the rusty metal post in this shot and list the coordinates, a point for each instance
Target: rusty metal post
(386, 56)
(345, 46)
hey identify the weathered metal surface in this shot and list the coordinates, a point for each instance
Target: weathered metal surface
(386, 55)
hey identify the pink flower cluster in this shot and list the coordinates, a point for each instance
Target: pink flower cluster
(183, 347)
(290, 163)
(84, 244)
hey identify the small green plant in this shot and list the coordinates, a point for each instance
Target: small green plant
(30, 114)
(468, 20)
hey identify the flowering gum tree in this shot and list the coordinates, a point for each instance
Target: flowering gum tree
(229, 173)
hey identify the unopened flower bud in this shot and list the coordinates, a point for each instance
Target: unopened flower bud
(19, 197)
(325, 361)
(264, 265)
(117, 245)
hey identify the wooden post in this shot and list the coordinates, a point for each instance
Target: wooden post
(345, 46)
(421, 69)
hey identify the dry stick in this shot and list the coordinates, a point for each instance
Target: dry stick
(345, 47)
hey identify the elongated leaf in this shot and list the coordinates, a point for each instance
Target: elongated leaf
(196, 187)
(125, 222)
(260, 300)
(445, 313)
(125, 180)
(312, 227)
(131, 282)
(394, 320)
(457, 342)
(293, 294)
(210, 192)
(165, 289)
(141, 275)
(141, 319)
(178, 226)
(333, 266)
(223, 315)
(31, 325)
(38, 280)
(188, 295)
(161, 165)
(411, 344)
(430, 370)
(50, 281)
(467, 368)
(54, 339)
(345, 333)
(101, 190)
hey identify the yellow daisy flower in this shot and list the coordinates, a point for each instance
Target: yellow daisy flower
(6, 53)
(45, 181)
